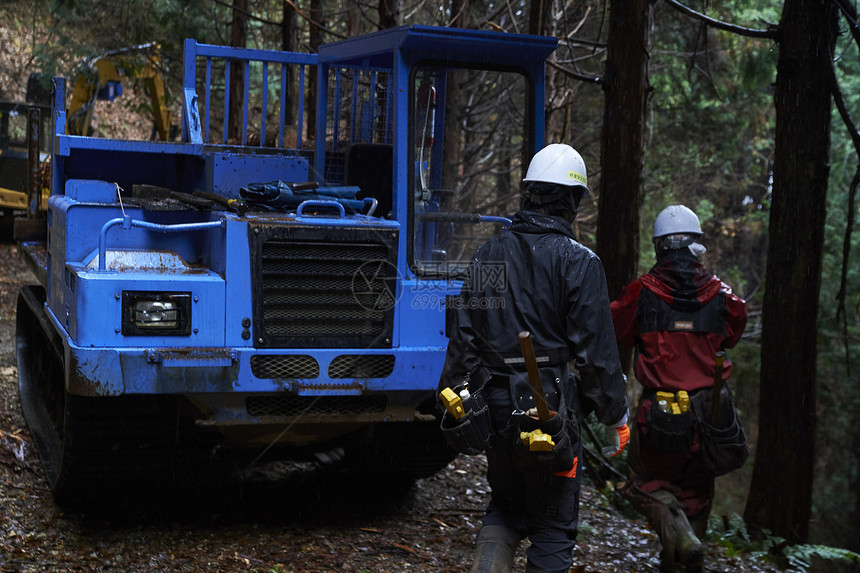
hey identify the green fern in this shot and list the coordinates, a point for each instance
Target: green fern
(799, 557)
(735, 539)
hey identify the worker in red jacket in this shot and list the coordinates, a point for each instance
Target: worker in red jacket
(677, 317)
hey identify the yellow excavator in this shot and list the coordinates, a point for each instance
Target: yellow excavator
(15, 141)
(100, 78)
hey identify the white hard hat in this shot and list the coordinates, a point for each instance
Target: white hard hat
(676, 219)
(560, 164)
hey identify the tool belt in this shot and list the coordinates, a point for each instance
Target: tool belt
(562, 427)
(722, 443)
(667, 432)
(506, 361)
(468, 435)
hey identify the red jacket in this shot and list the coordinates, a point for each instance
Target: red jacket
(678, 317)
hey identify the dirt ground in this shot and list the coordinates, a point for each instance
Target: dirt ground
(313, 524)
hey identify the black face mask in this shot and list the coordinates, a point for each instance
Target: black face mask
(552, 199)
(674, 242)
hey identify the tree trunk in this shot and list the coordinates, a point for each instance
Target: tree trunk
(289, 43)
(626, 89)
(453, 138)
(314, 38)
(353, 19)
(780, 497)
(389, 13)
(460, 14)
(238, 39)
(538, 12)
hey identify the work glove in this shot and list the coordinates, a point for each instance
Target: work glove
(617, 435)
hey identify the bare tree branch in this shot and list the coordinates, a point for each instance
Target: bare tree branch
(579, 24)
(771, 31)
(273, 23)
(850, 14)
(415, 10)
(312, 22)
(574, 74)
(843, 280)
(488, 19)
(247, 13)
(578, 42)
(845, 114)
(513, 17)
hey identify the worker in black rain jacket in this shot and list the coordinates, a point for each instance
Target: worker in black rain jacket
(678, 317)
(537, 278)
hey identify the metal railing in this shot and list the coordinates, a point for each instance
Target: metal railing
(258, 67)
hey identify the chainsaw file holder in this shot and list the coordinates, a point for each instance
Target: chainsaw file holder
(468, 435)
(561, 426)
(723, 443)
(667, 432)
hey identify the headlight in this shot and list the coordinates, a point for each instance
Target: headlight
(156, 313)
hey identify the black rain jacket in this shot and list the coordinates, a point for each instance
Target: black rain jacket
(536, 277)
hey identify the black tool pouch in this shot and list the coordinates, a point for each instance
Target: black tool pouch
(468, 435)
(669, 433)
(722, 443)
(561, 427)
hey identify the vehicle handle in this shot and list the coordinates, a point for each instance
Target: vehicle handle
(371, 205)
(320, 203)
(127, 223)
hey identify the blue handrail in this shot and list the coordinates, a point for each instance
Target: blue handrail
(196, 129)
(127, 223)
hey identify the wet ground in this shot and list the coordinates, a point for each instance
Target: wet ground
(307, 522)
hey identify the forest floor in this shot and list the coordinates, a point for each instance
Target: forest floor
(308, 525)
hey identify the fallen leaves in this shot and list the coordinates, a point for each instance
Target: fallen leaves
(14, 441)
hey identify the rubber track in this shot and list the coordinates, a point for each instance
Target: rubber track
(89, 446)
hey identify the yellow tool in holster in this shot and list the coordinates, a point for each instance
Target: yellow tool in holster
(452, 403)
(670, 403)
(668, 396)
(683, 400)
(537, 441)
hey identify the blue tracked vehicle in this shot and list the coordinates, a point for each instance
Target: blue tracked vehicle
(274, 287)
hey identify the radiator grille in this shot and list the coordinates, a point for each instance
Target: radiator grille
(361, 366)
(325, 293)
(290, 366)
(307, 405)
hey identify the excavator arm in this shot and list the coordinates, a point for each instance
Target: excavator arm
(101, 79)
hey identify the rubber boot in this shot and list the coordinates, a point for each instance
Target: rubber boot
(700, 523)
(689, 551)
(494, 550)
(682, 549)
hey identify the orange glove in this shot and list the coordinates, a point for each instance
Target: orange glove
(618, 437)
